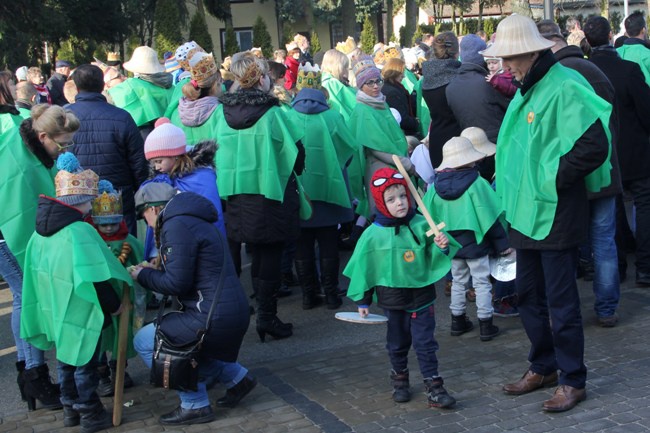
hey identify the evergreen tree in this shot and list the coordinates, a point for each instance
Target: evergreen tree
(368, 37)
(167, 26)
(231, 45)
(315, 43)
(262, 38)
(199, 32)
(287, 34)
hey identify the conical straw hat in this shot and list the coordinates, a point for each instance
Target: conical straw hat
(516, 35)
(458, 152)
(479, 140)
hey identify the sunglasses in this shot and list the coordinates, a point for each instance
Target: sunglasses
(377, 82)
(382, 180)
(62, 146)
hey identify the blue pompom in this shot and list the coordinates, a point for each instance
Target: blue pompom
(68, 162)
(105, 186)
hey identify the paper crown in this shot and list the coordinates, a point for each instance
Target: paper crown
(203, 68)
(71, 180)
(308, 77)
(346, 47)
(185, 52)
(107, 207)
(112, 56)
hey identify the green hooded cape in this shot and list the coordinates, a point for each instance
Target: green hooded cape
(328, 146)
(174, 99)
(144, 101)
(639, 54)
(383, 258)
(22, 179)
(60, 305)
(412, 84)
(342, 98)
(196, 134)
(476, 209)
(538, 129)
(256, 160)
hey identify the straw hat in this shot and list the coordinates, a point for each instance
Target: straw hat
(144, 61)
(517, 35)
(458, 152)
(479, 140)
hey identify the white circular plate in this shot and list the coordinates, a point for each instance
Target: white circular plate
(355, 317)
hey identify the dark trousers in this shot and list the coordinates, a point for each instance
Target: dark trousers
(327, 238)
(640, 190)
(406, 328)
(79, 384)
(549, 307)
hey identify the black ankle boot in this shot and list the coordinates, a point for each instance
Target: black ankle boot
(267, 307)
(180, 416)
(105, 386)
(400, 382)
(460, 325)
(306, 270)
(71, 417)
(236, 393)
(488, 330)
(20, 367)
(94, 418)
(329, 270)
(39, 386)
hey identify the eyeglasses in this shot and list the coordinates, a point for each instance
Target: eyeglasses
(62, 146)
(382, 180)
(377, 82)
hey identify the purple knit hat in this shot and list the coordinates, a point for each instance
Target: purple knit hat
(364, 69)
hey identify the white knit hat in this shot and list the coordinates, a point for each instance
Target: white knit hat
(144, 60)
(516, 34)
(458, 152)
(479, 140)
(165, 140)
(21, 73)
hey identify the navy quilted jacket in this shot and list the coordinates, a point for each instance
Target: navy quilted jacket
(109, 143)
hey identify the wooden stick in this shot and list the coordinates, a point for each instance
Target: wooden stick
(123, 330)
(434, 228)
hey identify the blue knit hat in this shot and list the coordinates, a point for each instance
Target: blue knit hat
(470, 46)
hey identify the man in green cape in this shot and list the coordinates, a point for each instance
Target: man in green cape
(553, 143)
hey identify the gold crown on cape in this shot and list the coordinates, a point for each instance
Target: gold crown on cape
(308, 77)
(346, 47)
(82, 183)
(107, 208)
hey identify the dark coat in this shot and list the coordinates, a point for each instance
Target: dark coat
(193, 256)
(572, 57)
(109, 143)
(570, 224)
(632, 106)
(474, 102)
(55, 87)
(253, 218)
(398, 97)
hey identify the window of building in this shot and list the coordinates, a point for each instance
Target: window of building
(244, 39)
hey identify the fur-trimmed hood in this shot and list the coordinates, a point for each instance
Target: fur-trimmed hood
(203, 153)
(245, 107)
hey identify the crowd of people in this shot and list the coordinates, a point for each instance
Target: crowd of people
(523, 146)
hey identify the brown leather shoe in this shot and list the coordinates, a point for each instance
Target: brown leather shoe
(530, 381)
(565, 398)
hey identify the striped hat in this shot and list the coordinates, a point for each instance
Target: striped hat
(165, 140)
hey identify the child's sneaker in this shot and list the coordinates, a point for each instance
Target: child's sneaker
(437, 395)
(400, 381)
(503, 308)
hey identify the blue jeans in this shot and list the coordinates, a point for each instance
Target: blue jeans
(602, 230)
(13, 275)
(228, 373)
(79, 384)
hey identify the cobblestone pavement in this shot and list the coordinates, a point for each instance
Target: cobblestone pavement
(332, 377)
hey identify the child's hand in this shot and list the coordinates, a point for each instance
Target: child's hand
(442, 241)
(363, 312)
(489, 76)
(135, 271)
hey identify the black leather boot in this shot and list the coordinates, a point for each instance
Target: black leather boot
(400, 382)
(39, 386)
(329, 271)
(235, 394)
(460, 325)
(93, 418)
(20, 380)
(267, 306)
(488, 330)
(306, 270)
(105, 385)
(71, 417)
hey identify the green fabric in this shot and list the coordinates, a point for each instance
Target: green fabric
(342, 98)
(175, 97)
(256, 160)
(379, 259)
(409, 81)
(60, 305)
(639, 54)
(22, 179)
(422, 110)
(197, 134)
(328, 146)
(24, 113)
(476, 209)
(538, 129)
(144, 101)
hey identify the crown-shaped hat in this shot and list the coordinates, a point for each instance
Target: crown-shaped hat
(73, 184)
(107, 207)
(185, 52)
(346, 47)
(203, 68)
(308, 77)
(112, 56)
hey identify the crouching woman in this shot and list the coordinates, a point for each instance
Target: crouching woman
(193, 256)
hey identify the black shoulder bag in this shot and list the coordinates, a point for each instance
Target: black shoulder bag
(177, 367)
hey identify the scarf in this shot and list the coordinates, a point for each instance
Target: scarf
(160, 79)
(379, 102)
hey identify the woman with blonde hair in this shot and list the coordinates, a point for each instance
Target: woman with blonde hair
(28, 152)
(342, 97)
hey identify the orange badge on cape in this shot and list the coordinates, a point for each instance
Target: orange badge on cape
(409, 256)
(531, 117)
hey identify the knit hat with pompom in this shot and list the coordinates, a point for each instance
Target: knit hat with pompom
(165, 140)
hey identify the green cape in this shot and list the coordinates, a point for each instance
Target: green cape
(476, 209)
(538, 129)
(24, 113)
(22, 179)
(328, 146)
(196, 134)
(342, 98)
(60, 305)
(383, 258)
(175, 97)
(412, 84)
(639, 54)
(256, 160)
(144, 101)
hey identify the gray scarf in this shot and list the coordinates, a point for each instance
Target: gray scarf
(379, 102)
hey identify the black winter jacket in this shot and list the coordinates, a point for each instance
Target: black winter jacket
(109, 143)
(192, 254)
(397, 97)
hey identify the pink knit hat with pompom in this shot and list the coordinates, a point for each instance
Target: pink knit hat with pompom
(165, 140)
